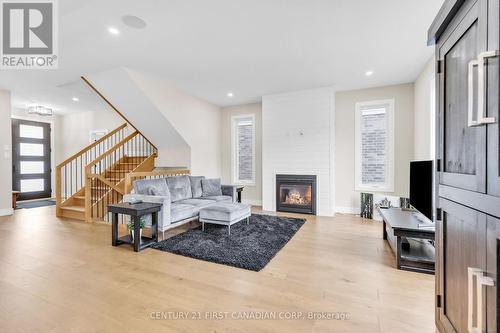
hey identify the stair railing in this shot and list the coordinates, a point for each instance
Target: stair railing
(105, 176)
(70, 177)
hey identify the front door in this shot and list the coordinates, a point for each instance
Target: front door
(31, 168)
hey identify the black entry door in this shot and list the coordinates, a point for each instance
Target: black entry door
(31, 159)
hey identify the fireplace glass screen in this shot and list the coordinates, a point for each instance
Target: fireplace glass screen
(300, 195)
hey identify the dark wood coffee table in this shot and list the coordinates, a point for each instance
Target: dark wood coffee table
(135, 211)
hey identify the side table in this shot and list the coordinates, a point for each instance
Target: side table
(239, 189)
(135, 211)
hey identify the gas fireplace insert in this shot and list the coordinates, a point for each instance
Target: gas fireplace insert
(296, 194)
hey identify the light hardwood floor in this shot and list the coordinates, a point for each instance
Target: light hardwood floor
(64, 276)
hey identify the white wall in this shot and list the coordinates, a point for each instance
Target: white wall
(298, 136)
(251, 194)
(347, 199)
(197, 121)
(73, 131)
(424, 112)
(119, 87)
(5, 154)
(186, 129)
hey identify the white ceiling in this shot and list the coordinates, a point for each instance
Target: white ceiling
(250, 47)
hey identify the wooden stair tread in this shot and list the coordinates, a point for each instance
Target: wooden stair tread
(74, 208)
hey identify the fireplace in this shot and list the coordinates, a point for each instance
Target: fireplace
(296, 194)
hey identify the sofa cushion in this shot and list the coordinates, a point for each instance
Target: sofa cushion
(196, 202)
(219, 198)
(196, 188)
(151, 187)
(225, 212)
(211, 187)
(179, 187)
(180, 212)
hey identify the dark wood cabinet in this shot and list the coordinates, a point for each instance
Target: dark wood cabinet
(462, 149)
(493, 249)
(461, 235)
(466, 35)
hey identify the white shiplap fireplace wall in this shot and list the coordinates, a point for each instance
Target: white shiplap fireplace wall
(298, 138)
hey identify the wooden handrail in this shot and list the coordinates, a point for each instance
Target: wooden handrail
(89, 147)
(114, 108)
(110, 151)
(129, 178)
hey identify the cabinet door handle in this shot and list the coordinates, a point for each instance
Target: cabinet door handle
(481, 87)
(472, 274)
(481, 281)
(470, 102)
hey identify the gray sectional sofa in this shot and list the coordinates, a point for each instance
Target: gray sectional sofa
(182, 197)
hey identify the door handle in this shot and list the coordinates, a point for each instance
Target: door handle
(481, 87)
(481, 281)
(472, 274)
(470, 101)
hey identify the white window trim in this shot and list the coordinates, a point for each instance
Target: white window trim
(389, 185)
(234, 150)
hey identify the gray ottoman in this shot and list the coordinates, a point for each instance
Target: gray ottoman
(224, 214)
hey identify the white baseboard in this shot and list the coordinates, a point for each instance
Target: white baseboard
(252, 202)
(6, 211)
(347, 210)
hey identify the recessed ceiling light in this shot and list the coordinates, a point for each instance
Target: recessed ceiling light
(230, 94)
(134, 21)
(113, 31)
(75, 99)
(369, 73)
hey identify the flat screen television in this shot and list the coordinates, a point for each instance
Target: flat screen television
(421, 186)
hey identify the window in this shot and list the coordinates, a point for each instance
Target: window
(375, 146)
(243, 149)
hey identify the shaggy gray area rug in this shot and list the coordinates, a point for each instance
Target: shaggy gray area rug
(249, 246)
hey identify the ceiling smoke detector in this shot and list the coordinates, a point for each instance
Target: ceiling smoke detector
(134, 21)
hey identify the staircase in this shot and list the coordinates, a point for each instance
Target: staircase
(90, 180)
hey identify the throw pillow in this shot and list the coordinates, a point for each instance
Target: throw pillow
(196, 188)
(153, 190)
(211, 187)
(179, 187)
(143, 186)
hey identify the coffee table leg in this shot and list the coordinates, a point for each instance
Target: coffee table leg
(229, 229)
(137, 233)
(248, 220)
(202, 226)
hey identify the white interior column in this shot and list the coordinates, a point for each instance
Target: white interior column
(5, 154)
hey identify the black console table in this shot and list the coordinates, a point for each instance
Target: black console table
(408, 234)
(135, 211)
